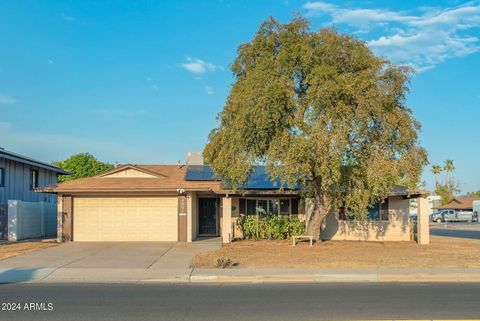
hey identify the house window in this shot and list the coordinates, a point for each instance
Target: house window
(251, 207)
(374, 213)
(378, 212)
(285, 207)
(33, 179)
(263, 207)
(2, 177)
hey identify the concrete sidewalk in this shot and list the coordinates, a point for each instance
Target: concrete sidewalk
(189, 275)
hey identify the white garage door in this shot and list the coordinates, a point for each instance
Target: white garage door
(125, 219)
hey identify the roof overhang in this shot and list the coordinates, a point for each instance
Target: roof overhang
(26, 160)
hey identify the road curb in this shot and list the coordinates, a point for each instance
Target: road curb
(151, 276)
(336, 278)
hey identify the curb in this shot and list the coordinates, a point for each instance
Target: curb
(337, 278)
(149, 276)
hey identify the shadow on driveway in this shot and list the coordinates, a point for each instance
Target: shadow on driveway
(16, 275)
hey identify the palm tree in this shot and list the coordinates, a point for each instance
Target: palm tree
(436, 170)
(449, 167)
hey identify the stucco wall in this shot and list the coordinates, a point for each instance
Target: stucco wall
(397, 228)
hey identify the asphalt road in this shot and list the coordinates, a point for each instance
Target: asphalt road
(243, 302)
(453, 229)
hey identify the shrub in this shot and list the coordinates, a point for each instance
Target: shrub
(277, 227)
(224, 263)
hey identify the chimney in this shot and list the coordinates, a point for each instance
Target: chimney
(194, 158)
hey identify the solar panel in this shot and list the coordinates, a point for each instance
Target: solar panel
(258, 179)
(200, 173)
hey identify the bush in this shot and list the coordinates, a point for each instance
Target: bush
(277, 227)
(224, 263)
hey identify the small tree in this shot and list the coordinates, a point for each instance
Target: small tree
(321, 111)
(81, 165)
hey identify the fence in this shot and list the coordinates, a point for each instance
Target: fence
(31, 220)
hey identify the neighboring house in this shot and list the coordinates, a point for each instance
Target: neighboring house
(433, 203)
(19, 176)
(459, 203)
(184, 202)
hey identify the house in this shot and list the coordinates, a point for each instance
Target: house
(459, 203)
(184, 202)
(19, 176)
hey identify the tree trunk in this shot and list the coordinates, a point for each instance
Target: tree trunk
(317, 210)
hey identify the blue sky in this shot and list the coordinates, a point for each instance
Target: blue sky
(143, 81)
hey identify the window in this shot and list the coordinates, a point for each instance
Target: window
(378, 212)
(33, 179)
(285, 207)
(263, 207)
(251, 207)
(2, 177)
(374, 213)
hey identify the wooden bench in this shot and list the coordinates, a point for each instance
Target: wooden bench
(302, 237)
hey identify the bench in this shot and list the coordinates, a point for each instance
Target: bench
(302, 237)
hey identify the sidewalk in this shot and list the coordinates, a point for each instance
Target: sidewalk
(135, 275)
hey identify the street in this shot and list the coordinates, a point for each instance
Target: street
(456, 229)
(243, 301)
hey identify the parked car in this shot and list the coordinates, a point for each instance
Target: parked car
(453, 216)
(436, 217)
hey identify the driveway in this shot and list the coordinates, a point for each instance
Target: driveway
(113, 255)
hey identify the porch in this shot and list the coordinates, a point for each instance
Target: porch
(216, 215)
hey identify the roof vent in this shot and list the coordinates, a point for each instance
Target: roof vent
(194, 158)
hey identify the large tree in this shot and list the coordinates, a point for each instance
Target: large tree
(436, 170)
(81, 165)
(321, 111)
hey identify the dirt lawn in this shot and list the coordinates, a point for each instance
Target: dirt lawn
(443, 252)
(10, 249)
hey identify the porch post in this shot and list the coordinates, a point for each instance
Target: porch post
(189, 217)
(226, 219)
(423, 222)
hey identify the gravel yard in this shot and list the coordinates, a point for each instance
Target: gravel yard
(10, 249)
(441, 253)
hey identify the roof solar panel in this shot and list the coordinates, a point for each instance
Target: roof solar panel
(258, 179)
(200, 173)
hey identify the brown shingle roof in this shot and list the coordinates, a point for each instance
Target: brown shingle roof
(171, 178)
(459, 203)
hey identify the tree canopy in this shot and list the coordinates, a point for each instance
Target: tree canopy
(319, 109)
(81, 165)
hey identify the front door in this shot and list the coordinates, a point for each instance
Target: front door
(207, 216)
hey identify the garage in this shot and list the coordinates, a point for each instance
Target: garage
(125, 219)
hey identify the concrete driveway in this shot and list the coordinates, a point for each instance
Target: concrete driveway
(113, 255)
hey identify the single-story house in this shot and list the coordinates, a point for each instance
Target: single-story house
(19, 177)
(184, 202)
(459, 204)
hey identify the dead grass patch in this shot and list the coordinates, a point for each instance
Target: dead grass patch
(11, 249)
(441, 253)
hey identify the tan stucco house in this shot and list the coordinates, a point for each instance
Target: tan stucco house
(184, 202)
